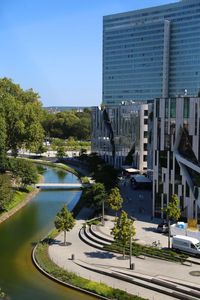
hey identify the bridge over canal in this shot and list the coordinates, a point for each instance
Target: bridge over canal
(67, 186)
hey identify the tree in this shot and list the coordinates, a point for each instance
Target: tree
(173, 213)
(3, 160)
(25, 171)
(5, 191)
(106, 174)
(123, 230)
(114, 199)
(60, 152)
(64, 221)
(95, 197)
(22, 112)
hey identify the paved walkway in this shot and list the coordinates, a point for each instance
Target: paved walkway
(61, 255)
(137, 204)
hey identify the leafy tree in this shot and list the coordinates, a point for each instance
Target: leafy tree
(64, 221)
(5, 191)
(3, 160)
(60, 152)
(123, 230)
(96, 196)
(67, 123)
(22, 112)
(106, 174)
(115, 199)
(173, 213)
(25, 171)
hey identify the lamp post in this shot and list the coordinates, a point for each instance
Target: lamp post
(130, 256)
(103, 222)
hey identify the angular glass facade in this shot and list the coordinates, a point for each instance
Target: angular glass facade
(152, 53)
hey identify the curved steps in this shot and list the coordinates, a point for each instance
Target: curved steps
(95, 229)
(90, 237)
(88, 241)
(94, 238)
(173, 290)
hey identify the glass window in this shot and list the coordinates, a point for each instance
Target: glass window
(173, 108)
(186, 109)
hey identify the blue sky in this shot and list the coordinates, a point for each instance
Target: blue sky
(55, 46)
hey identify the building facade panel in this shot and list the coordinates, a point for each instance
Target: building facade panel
(119, 134)
(177, 165)
(151, 53)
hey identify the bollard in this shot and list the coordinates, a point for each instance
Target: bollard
(73, 256)
(132, 266)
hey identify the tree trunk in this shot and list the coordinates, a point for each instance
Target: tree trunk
(124, 253)
(169, 233)
(103, 213)
(65, 237)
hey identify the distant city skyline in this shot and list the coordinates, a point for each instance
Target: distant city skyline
(55, 47)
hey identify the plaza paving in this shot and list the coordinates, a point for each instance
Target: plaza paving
(89, 256)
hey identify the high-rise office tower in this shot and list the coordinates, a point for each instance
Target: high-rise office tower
(152, 53)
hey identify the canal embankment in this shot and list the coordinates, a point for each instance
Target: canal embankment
(25, 198)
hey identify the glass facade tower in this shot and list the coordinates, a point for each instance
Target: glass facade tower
(152, 53)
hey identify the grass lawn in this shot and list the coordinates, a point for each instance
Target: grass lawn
(18, 197)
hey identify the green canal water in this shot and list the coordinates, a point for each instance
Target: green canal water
(18, 276)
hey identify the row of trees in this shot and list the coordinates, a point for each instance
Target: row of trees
(97, 197)
(24, 123)
(68, 124)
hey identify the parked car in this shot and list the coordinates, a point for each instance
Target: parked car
(186, 244)
(163, 227)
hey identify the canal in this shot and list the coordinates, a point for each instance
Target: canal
(18, 276)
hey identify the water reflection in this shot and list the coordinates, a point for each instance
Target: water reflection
(18, 277)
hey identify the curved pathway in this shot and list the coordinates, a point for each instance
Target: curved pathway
(86, 255)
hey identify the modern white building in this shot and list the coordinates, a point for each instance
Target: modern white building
(119, 134)
(176, 155)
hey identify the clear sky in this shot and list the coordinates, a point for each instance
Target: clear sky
(55, 46)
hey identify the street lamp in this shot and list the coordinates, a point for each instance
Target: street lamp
(103, 222)
(130, 256)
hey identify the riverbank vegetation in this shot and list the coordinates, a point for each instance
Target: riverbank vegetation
(42, 258)
(15, 182)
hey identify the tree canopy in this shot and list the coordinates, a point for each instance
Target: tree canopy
(64, 221)
(95, 195)
(173, 212)
(123, 229)
(115, 199)
(21, 115)
(67, 124)
(5, 191)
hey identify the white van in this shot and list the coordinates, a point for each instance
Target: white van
(186, 244)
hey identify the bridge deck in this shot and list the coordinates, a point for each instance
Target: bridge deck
(60, 185)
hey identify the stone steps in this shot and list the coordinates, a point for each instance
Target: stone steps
(88, 241)
(96, 231)
(94, 238)
(148, 282)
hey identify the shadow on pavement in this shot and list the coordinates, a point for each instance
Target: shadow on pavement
(99, 254)
(152, 229)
